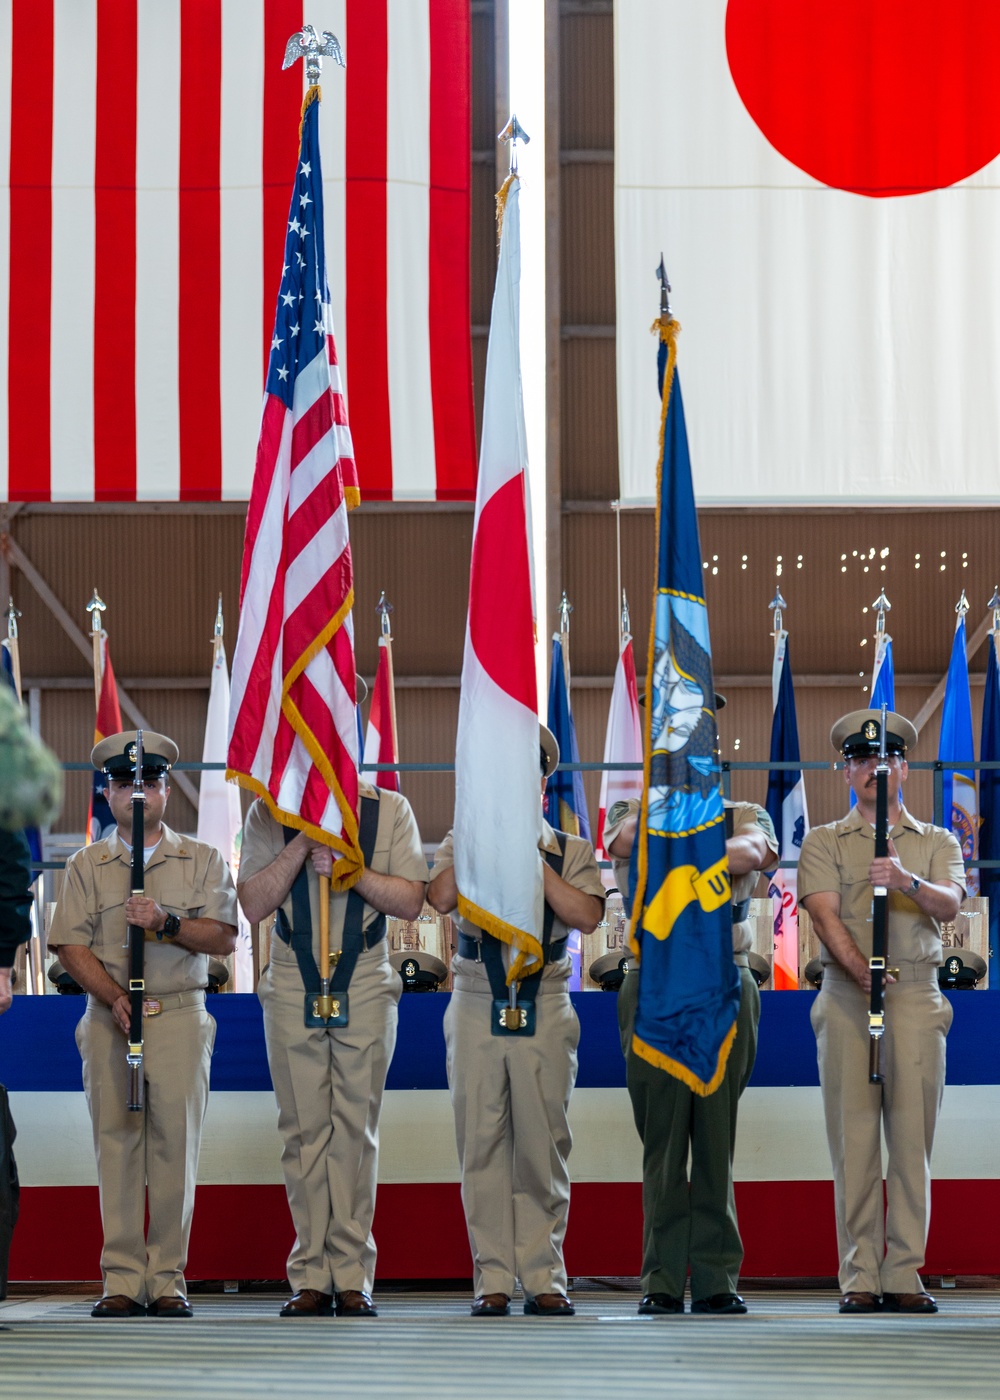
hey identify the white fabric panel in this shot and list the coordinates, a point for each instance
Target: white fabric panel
(74, 125)
(157, 163)
(241, 240)
(836, 347)
(407, 291)
(5, 79)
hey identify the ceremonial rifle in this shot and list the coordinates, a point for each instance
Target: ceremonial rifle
(880, 918)
(137, 938)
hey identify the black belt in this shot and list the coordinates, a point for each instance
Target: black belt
(472, 949)
(512, 1009)
(355, 938)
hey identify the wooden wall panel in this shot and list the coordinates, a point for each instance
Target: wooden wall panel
(589, 420)
(587, 244)
(586, 80)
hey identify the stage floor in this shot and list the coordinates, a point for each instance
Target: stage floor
(790, 1345)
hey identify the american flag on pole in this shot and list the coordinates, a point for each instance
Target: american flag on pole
(144, 156)
(293, 737)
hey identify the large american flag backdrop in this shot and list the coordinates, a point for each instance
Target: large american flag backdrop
(146, 151)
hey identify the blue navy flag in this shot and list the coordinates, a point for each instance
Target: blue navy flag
(565, 801)
(689, 989)
(989, 797)
(786, 806)
(883, 675)
(957, 745)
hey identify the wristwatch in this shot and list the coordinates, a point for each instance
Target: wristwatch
(171, 926)
(913, 886)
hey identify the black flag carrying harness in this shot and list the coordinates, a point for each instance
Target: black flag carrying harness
(512, 1009)
(356, 939)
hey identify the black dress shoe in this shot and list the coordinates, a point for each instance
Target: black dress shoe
(171, 1305)
(117, 1305)
(549, 1305)
(355, 1303)
(720, 1305)
(308, 1302)
(491, 1305)
(660, 1305)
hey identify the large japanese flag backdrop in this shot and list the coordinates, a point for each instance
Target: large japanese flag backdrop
(822, 181)
(147, 152)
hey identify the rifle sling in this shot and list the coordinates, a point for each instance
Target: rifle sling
(355, 938)
(493, 947)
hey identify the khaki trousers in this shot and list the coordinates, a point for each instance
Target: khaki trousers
(510, 1095)
(149, 1157)
(689, 1222)
(329, 1085)
(881, 1252)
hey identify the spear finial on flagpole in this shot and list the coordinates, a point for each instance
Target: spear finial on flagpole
(665, 290)
(512, 133)
(776, 606)
(219, 629)
(881, 606)
(97, 608)
(313, 47)
(962, 606)
(383, 607)
(13, 645)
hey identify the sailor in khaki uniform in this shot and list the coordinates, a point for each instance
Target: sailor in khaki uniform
(189, 912)
(693, 1223)
(329, 1080)
(880, 1257)
(510, 1093)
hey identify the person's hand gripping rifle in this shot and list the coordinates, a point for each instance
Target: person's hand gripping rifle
(880, 918)
(137, 939)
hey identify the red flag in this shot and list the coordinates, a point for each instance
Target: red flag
(381, 745)
(293, 737)
(108, 721)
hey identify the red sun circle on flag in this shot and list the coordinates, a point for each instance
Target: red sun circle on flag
(890, 98)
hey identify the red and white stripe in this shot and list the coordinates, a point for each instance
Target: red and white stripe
(498, 810)
(145, 150)
(622, 742)
(381, 744)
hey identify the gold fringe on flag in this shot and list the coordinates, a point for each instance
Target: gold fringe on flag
(502, 194)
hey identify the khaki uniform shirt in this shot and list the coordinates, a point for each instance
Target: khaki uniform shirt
(835, 860)
(186, 877)
(398, 851)
(579, 870)
(747, 817)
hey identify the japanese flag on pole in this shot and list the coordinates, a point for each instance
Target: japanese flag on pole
(498, 811)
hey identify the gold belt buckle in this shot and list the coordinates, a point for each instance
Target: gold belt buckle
(151, 1006)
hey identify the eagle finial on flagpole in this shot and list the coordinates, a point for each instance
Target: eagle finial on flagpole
(565, 608)
(994, 604)
(777, 605)
(881, 606)
(383, 607)
(313, 47)
(962, 606)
